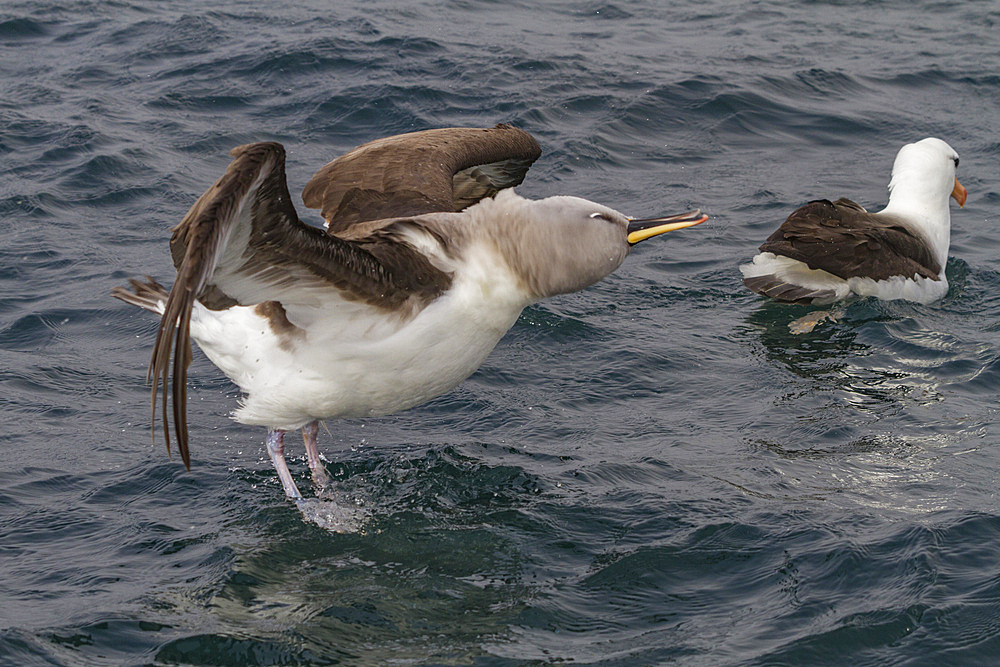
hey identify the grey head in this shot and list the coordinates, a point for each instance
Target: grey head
(563, 244)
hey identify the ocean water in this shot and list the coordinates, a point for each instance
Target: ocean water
(652, 471)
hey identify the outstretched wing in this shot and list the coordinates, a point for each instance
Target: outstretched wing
(242, 243)
(445, 169)
(844, 239)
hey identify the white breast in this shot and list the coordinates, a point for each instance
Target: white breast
(357, 361)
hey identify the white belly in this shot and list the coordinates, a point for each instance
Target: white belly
(353, 369)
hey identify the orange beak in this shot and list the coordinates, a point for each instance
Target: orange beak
(959, 193)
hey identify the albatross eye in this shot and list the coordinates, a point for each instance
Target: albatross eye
(956, 160)
(602, 216)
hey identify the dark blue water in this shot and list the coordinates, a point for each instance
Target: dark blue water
(651, 471)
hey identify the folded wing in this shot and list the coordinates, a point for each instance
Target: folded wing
(844, 239)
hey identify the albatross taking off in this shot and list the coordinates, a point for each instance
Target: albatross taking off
(428, 259)
(826, 251)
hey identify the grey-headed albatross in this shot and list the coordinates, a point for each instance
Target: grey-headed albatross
(427, 260)
(827, 251)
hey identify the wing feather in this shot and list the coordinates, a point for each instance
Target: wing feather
(242, 243)
(431, 171)
(844, 239)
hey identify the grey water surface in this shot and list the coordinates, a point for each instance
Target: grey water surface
(652, 471)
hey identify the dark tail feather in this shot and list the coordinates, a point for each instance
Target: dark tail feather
(779, 290)
(153, 297)
(149, 295)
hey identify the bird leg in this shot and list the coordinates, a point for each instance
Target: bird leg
(330, 510)
(276, 450)
(319, 474)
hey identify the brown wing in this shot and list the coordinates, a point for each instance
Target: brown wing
(242, 243)
(422, 172)
(844, 239)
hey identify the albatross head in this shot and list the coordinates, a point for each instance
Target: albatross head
(565, 244)
(924, 171)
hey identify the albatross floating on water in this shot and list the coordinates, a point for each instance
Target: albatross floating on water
(827, 251)
(427, 260)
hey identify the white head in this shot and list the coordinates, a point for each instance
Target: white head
(924, 175)
(923, 178)
(564, 244)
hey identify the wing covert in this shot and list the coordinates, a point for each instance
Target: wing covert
(844, 239)
(436, 170)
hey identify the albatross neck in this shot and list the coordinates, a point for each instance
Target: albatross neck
(920, 205)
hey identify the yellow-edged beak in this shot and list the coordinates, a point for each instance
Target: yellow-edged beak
(640, 230)
(959, 193)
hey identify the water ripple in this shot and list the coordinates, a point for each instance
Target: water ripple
(653, 470)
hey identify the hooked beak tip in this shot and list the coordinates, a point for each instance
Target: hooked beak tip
(642, 229)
